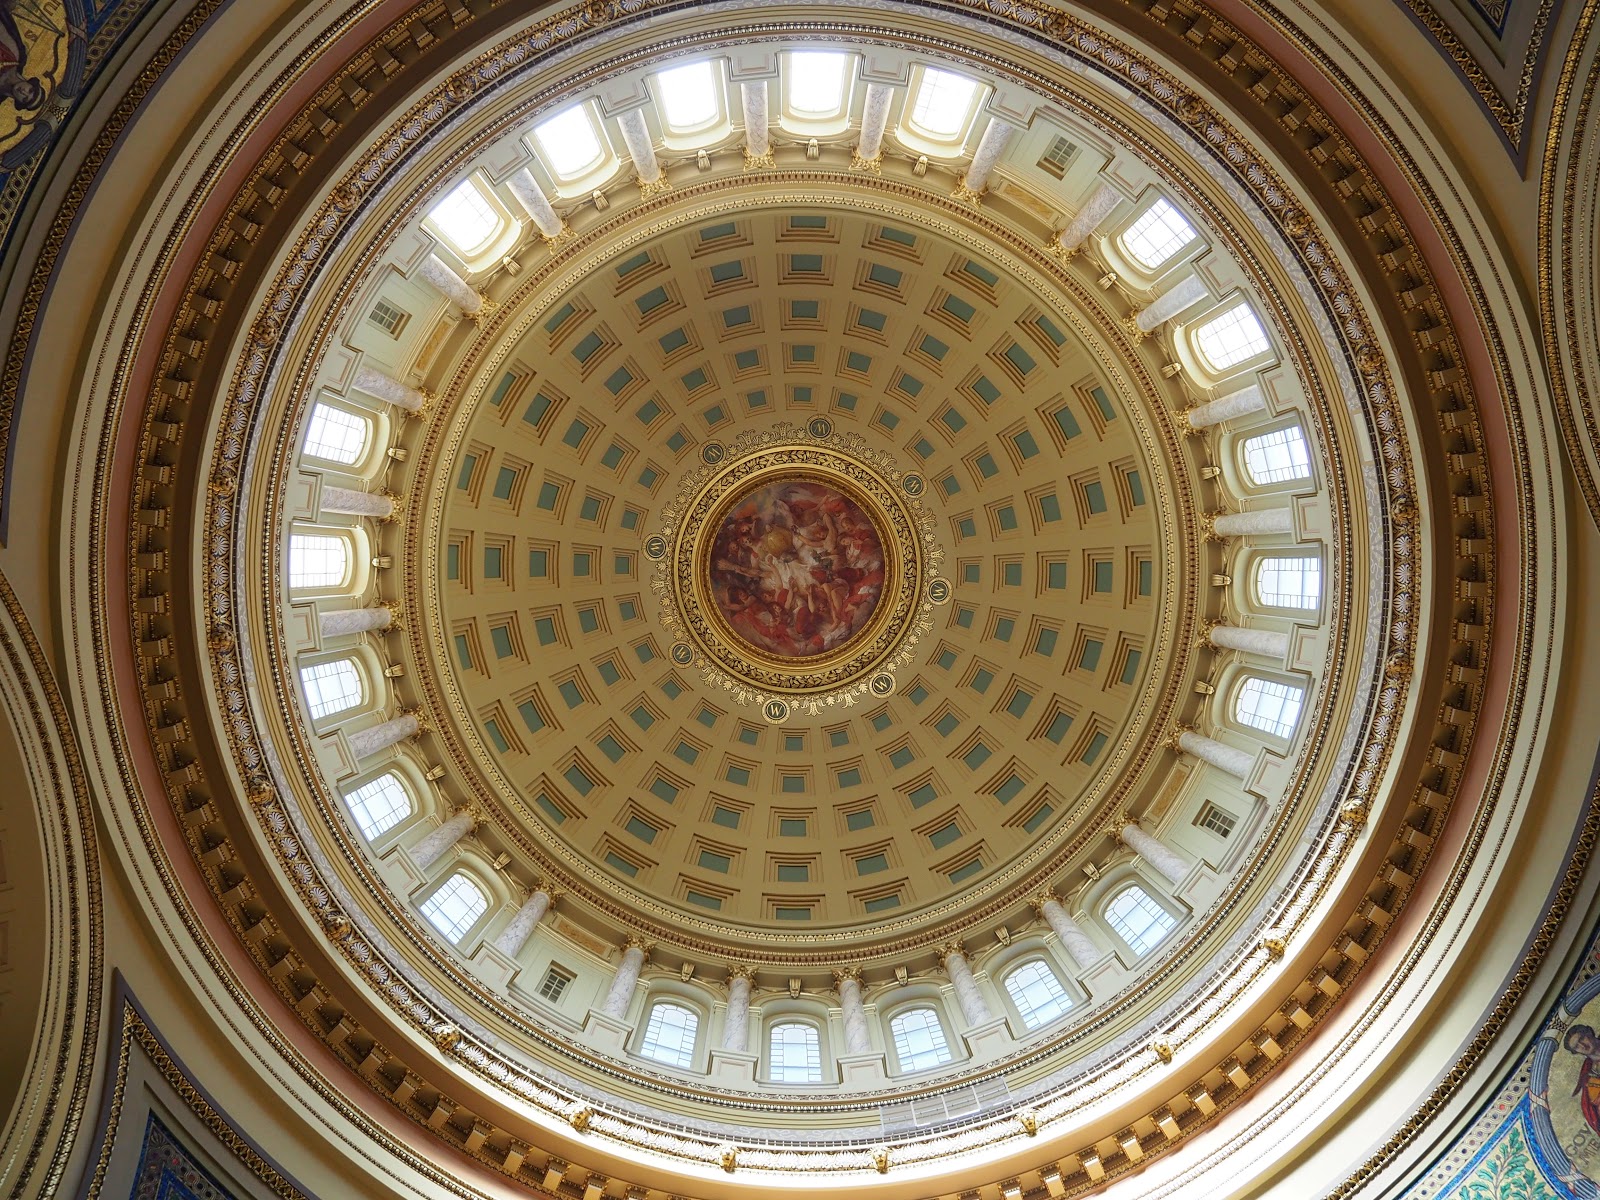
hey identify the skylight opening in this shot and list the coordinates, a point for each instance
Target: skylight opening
(331, 687)
(1158, 235)
(1269, 706)
(943, 103)
(919, 1041)
(378, 806)
(1138, 919)
(688, 96)
(455, 907)
(815, 82)
(465, 218)
(318, 561)
(335, 435)
(1231, 338)
(1277, 457)
(569, 142)
(1284, 582)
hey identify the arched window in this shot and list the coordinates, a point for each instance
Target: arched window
(688, 96)
(814, 83)
(943, 103)
(1277, 456)
(1037, 993)
(379, 805)
(1289, 582)
(331, 687)
(1269, 705)
(318, 560)
(1138, 919)
(1159, 234)
(669, 1034)
(336, 435)
(465, 217)
(569, 142)
(1231, 337)
(454, 907)
(794, 1053)
(918, 1039)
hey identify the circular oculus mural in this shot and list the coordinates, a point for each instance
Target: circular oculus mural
(793, 562)
(796, 567)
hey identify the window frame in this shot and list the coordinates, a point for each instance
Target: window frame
(696, 1033)
(486, 207)
(320, 587)
(386, 832)
(926, 77)
(1043, 963)
(363, 699)
(1115, 892)
(1209, 367)
(919, 1004)
(1177, 256)
(816, 123)
(715, 127)
(1241, 449)
(476, 923)
(921, 140)
(583, 179)
(1257, 563)
(351, 466)
(1236, 693)
(789, 1020)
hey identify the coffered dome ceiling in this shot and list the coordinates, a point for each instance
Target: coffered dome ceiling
(664, 786)
(704, 542)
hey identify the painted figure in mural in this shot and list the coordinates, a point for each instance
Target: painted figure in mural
(1581, 1039)
(797, 568)
(24, 90)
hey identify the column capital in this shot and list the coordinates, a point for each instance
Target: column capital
(396, 610)
(649, 188)
(471, 813)
(740, 971)
(873, 164)
(758, 162)
(949, 948)
(425, 408)
(638, 943)
(420, 716)
(485, 309)
(1175, 738)
(1052, 243)
(1047, 896)
(967, 195)
(1130, 326)
(840, 974)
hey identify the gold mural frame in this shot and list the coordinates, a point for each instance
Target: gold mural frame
(891, 499)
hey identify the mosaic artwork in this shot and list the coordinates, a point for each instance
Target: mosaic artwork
(33, 60)
(167, 1171)
(796, 568)
(1539, 1138)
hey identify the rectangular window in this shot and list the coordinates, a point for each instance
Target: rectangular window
(554, 984)
(387, 318)
(1218, 820)
(1056, 157)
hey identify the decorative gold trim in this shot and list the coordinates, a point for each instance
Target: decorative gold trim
(691, 522)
